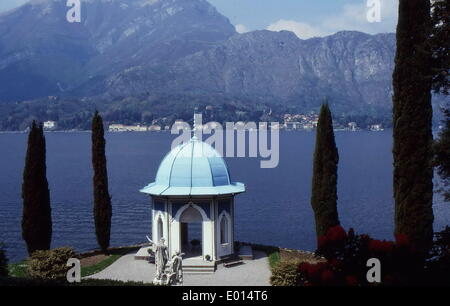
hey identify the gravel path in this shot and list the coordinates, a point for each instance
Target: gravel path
(251, 273)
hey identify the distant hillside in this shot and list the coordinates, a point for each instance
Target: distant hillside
(141, 59)
(352, 68)
(42, 54)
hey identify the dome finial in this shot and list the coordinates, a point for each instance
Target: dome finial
(194, 129)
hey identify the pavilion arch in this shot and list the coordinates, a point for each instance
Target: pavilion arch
(193, 205)
(207, 245)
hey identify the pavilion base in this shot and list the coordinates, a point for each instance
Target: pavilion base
(196, 265)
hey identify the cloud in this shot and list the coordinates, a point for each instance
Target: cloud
(302, 30)
(240, 28)
(352, 17)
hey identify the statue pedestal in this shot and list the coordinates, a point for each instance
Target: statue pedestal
(160, 282)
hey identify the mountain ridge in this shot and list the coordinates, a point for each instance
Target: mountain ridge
(159, 54)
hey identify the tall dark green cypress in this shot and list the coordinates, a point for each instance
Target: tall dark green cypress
(3, 261)
(102, 200)
(37, 216)
(412, 120)
(324, 181)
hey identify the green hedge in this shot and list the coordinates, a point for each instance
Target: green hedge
(14, 281)
(100, 266)
(50, 264)
(3, 262)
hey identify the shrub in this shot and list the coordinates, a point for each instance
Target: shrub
(285, 273)
(50, 264)
(347, 256)
(438, 264)
(3, 262)
(40, 282)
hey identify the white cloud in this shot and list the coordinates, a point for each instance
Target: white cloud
(240, 28)
(352, 17)
(302, 30)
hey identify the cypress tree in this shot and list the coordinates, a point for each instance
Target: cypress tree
(440, 46)
(102, 200)
(412, 120)
(324, 181)
(36, 219)
(3, 261)
(442, 157)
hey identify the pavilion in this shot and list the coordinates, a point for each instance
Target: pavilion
(192, 192)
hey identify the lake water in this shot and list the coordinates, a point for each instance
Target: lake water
(275, 210)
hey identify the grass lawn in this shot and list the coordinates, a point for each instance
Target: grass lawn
(274, 258)
(20, 269)
(100, 266)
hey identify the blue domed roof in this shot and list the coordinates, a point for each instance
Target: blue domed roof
(193, 168)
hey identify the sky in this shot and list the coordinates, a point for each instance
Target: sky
(306, 18)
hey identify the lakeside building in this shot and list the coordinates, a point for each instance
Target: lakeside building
(193, 189)
(300, 121)
(376, 128)
(50, 125)
(154, 128)
(352, 126)
(127, 128)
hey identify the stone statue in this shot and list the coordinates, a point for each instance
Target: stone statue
(161, 258)
(176, 274)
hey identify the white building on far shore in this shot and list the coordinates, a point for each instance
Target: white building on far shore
(50, 125)
(127, 128)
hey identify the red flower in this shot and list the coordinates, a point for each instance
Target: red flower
(335, 263)
(312, 272)
(381, 247)
(322, 241)
(351, 280)
(328, 277)
(402, 240)
(336, 234)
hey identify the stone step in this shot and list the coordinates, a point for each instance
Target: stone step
(198, 267)
(198, 272)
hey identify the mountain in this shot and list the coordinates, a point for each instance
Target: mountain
(42, 54)
(165, 56)
(352, 68)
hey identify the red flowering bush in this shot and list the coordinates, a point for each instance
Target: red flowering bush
(333, 242)
(347, 255)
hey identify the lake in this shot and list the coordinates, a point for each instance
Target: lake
(275, 210)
